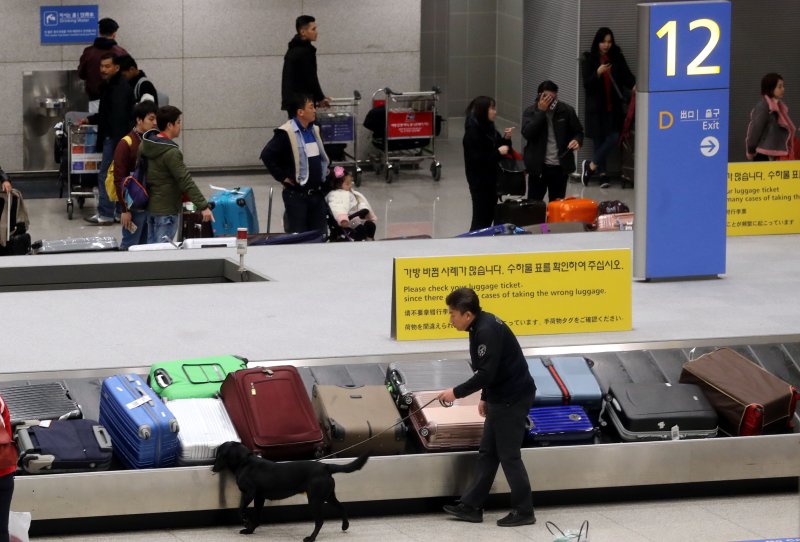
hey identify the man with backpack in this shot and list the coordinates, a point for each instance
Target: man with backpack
(143, 89)
(167, 177)
(134, 221)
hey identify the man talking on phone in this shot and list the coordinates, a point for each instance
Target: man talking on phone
(553, 133)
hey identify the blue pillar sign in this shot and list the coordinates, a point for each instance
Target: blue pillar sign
(682, 139)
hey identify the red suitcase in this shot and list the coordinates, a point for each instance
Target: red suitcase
(572, 209)
(272, 413)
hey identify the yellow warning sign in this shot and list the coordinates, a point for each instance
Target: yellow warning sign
(534, 293)
(763, 198)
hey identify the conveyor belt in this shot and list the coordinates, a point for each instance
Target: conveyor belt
(415, 476)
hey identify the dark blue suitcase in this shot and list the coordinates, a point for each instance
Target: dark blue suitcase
(568, 424)
(143, 430)
(233, 209)
(565, 380)
(64, 446)
(313, 236)
(498, 229)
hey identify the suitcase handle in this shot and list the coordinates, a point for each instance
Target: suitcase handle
(102, 437)
(162, 378)
(24, 441)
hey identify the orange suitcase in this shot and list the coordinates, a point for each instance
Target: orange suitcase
(572, 209)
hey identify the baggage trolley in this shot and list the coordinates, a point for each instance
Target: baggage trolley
(337, 126)
(410, 117)
(81, 159)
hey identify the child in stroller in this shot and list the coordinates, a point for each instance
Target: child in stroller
(350, 209)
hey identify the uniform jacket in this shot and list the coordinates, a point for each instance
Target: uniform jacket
(281, 156)
(167, 176)
(496, 357)
(7, 428)
(300, 72)
(89, 64)
(770, 131)
(534, 130)
(596, 91)
(480, 152)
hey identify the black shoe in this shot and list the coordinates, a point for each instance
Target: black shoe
(586, 172)
(515, 519)
(464, 512)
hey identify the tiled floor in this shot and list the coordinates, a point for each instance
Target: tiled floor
(710, 520)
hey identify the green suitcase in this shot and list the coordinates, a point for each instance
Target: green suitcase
(193, 378)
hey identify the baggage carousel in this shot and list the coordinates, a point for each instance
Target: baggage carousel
(607, 464)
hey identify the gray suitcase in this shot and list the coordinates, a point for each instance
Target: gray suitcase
(75, 244)
(40, 401)
(205, 425)
(403, 379)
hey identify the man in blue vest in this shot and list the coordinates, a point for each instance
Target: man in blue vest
(296, 158)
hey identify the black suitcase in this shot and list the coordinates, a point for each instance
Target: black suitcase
(40, 401)
(19, 240)
(193, 227)
(650, 411)
(520, 212)
(64, 446)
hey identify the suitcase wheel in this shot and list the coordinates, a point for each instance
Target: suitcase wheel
(144, 432)
(240, 202)
(408, 399)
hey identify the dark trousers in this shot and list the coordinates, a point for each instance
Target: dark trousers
(484, 199)
(305, 211)
(605, 140)
(551, 181)
(503, 433)
(6, 491)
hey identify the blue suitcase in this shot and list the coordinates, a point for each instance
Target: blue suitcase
(64, 446)
(567, 424)
(565, 380)
(143, 430)
(498, 229)
(233, 209)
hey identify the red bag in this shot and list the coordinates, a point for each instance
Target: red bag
(572, 209)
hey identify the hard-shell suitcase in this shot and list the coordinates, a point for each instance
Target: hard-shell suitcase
(18, 240)
(455, 427)
(233, 209)
(142, 428)
(615, 222)
(306, 237)
(749, 399)
(565, 380)
(75, 244)
(193, 378)
(566, 424)
(520, 212)
(649, 411)
(64, 446)
(572, 209)
(403, 379)
(349, 415)
(272, 412)
(492, 231)
(205, 425)
(40, 401)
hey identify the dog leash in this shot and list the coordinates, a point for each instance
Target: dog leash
(376, 435)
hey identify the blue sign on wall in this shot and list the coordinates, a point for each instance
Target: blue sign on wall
(68, 24)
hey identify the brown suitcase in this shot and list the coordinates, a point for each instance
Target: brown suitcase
(446, 428)
(748, 399)
(349, 415)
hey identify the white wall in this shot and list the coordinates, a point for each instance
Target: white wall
(220, 62)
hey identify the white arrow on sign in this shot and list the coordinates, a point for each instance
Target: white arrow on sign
(709, 146)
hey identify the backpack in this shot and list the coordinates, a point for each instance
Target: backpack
(134, 187)
(111, 190)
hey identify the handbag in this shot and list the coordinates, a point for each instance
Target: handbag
(511, 178)
(569, 536)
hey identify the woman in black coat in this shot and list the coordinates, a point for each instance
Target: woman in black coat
(483, 149)
(605, 77)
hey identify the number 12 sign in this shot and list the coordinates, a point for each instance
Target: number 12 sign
(689, 46)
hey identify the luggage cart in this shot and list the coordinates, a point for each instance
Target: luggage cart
(82, 160)
(410, 119)
(337, 126)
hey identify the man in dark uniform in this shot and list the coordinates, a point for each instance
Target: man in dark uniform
(300, 67)
(507, 393)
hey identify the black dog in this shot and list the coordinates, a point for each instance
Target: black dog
(260, 479)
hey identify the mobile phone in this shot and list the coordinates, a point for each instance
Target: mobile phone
(553, 104)
(132, 227)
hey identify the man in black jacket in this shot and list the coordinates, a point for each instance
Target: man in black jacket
(300, 67)
(143, 89)
(114, 121)
(89, 64)
(553, 132)
(507, 393)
